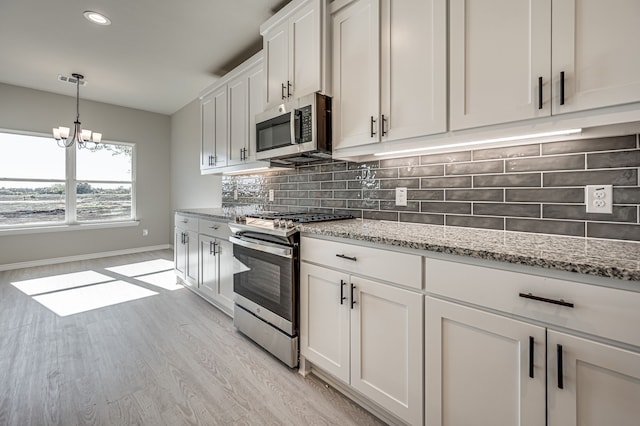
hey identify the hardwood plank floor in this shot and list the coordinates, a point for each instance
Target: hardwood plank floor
(167, 359)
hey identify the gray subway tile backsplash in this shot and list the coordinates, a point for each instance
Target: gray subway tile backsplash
(529, 188)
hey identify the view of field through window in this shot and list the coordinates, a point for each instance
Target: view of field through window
(33, 182)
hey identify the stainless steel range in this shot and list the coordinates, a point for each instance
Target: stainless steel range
(266, 279)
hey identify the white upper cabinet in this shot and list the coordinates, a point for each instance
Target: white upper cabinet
(213, 110)
(389, 70)
(228, 110)
(413, 68)
(595, 45)
(513, 60)
(238, 118)
(356, 74)
(499, 50)
(292, 41)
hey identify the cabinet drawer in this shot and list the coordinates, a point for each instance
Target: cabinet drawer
(601, 311)
(399, 268)
(187, 223)
(214, 228)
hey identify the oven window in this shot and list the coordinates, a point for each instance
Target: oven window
(265, 279)
(274, 133)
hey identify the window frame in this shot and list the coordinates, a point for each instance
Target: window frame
(70, 181)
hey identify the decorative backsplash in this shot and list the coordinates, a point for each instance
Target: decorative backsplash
(530, 188)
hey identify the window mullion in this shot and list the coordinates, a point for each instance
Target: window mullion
(71, 185)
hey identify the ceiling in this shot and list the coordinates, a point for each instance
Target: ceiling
(157, 55)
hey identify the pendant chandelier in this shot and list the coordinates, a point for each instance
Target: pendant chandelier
(79, 136)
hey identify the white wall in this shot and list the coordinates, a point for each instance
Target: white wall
(36, 111)
(190, 189)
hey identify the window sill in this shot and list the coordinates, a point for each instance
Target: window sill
(64, 228)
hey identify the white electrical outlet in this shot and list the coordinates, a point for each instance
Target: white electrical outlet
(271, 195)
(235, 194)
(145, 232)
(599, 198)
(401, 196)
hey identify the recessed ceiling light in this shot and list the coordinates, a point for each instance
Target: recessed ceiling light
(97, 18)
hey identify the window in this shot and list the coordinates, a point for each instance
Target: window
(43, 184)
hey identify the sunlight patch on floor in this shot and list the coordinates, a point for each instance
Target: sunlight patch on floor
(69, 302)
(60, 282)
(143, 268)
(165, 280)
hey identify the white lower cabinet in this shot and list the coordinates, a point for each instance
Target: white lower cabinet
(186, 249)
(482, 368)
(495, 356)
(367, 334)
(591, 383)
(216, 272)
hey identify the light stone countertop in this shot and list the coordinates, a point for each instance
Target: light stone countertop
(599, 257)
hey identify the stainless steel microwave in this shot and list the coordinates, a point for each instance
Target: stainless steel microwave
(296, 131)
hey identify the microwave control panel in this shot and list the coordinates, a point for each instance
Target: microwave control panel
(304, 127)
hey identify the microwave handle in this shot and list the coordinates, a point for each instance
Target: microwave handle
(296, 126)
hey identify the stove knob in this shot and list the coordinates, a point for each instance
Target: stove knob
(289, 224)
(276, 223)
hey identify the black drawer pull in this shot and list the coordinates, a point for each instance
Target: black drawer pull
(531, 343)
(282, 92)
(342, 256)
(373, 121)
(560, 370)
(544, 299)
(342, 296)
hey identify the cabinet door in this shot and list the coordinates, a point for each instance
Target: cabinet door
(600, 383)
(179, 253)
(356, 74)
(209, 267)
(495, 62)
(255, 85)
(238, 119)
(192, 245)
(305, 50)
(220, 126)
(324, 319)
(224, 294)
(413, 68)
(387, 347)
(207, 132)
(593, 43)
(276, 56)
(478, 365)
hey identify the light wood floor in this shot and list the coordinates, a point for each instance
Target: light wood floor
(167, 359)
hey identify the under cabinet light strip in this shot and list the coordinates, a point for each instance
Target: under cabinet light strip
(485, 141)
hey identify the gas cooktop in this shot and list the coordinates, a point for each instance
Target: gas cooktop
(300, 217)
(281, 223)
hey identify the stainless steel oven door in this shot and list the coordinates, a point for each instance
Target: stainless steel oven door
(263, 281)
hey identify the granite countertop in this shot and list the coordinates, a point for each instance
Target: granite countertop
(599, 257)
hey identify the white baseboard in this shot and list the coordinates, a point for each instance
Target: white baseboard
(43, 262)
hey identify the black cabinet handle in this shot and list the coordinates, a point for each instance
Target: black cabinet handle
(342, 256)
(372, 123)
(544, 299)
(560, 371)
(531, 344)
(289, 86)
(561, 87)
(342, 296)
(539, 92)
(353, 299)
(212, 248)
(384, 120)
(282, 92)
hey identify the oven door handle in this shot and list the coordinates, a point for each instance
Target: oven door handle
(278, 251)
